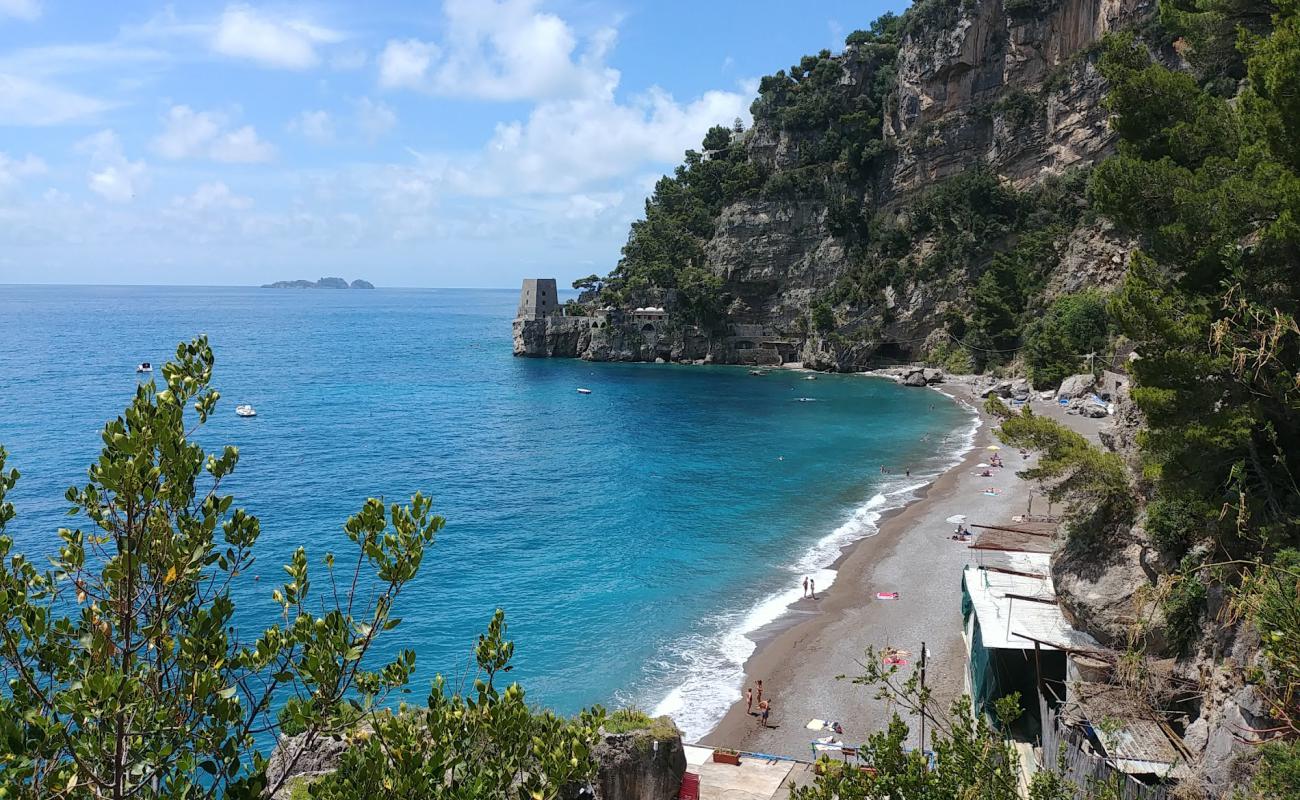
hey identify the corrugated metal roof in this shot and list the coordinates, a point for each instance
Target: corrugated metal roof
(1015, 610)
(1126, 726)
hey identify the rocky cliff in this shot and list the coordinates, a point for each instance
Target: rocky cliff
(1009, 88)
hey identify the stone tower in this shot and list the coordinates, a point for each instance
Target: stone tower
(538, 299)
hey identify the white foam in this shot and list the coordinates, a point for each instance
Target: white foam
(714, 663)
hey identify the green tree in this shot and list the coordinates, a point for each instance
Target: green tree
(485, 744)
(717, 138)
(971, 758)
(1055, 344)
(1211, 301)
(125, 673)
(590, 283)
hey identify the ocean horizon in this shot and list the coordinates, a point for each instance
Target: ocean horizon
(637, 537)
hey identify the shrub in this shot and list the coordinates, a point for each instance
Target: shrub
(1073, 326)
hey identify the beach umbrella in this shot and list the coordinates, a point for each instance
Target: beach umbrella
(956, 519)
(993, 447)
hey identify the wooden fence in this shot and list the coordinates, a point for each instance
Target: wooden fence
(1063, 754)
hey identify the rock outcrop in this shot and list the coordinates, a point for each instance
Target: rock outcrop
(1010, 86)
(640, 766)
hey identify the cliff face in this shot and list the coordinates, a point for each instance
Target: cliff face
(1010, 86)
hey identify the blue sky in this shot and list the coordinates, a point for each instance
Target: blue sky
(453, 143)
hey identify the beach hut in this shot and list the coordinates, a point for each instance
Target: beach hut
(1014, 631)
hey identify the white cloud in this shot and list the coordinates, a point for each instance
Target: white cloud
(315, 125)
(32, 103)
(112, 175)
(349, 61)
(500, 50)
(20, 9)
(374, 119)
(569, 145)
(212, 196)
(404, 64)
(283, 42)
(204, 134)
(13, 170)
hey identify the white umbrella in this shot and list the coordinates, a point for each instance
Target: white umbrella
(956, 519)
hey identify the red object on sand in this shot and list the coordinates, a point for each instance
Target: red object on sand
(886, 595)
(690, 787)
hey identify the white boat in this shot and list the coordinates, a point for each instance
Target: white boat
(584, 391)
(245, 410)
(144, 366)
(811, 378)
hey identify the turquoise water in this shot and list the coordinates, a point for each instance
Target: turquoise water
(633, 535)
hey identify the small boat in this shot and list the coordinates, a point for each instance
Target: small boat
(757, 372)
(811, 378)
(144, 366)
(584, 391)
(245, 410)
(807, 399)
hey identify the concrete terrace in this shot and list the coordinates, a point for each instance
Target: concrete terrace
(756, 778)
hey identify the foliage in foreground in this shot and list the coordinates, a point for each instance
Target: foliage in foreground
(127, 675)
(971, 758)
(487, 744)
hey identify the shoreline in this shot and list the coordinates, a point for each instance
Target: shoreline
(756, 625)
(801, 655)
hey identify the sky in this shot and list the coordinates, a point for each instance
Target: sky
(422, 143)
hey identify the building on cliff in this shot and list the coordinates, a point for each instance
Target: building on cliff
(538, 299)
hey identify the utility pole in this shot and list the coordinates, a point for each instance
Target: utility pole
(923, 700)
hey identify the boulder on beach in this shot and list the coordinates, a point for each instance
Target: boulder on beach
(1077, 386)
(933, 375)
(914, 378)
(999, 389)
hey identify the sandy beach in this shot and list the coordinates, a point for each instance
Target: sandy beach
(800, 664)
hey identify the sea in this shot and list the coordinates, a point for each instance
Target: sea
(637, 537)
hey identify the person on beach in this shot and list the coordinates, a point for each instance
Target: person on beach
(812, 588)
(805, 586)
(907, 472)
(749, 701)
(760, 694)
(766, 709)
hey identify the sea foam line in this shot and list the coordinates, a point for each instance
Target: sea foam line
(715, 662)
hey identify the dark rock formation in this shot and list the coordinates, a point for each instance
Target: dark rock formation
(637, 766)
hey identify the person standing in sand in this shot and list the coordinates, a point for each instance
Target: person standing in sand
(760, 694)
(812, 588)
(805, 586)
(764, 709)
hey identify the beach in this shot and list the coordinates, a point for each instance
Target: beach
(807, 667)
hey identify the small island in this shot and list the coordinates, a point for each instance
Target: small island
(323, 283)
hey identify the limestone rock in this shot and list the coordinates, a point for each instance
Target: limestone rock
(933, 375)
(637, 766)
(1077, 386)
(1103, 594)
(916, 378)
(293, 757)
(999, 389)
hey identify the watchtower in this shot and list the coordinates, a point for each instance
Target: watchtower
(538, 299)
